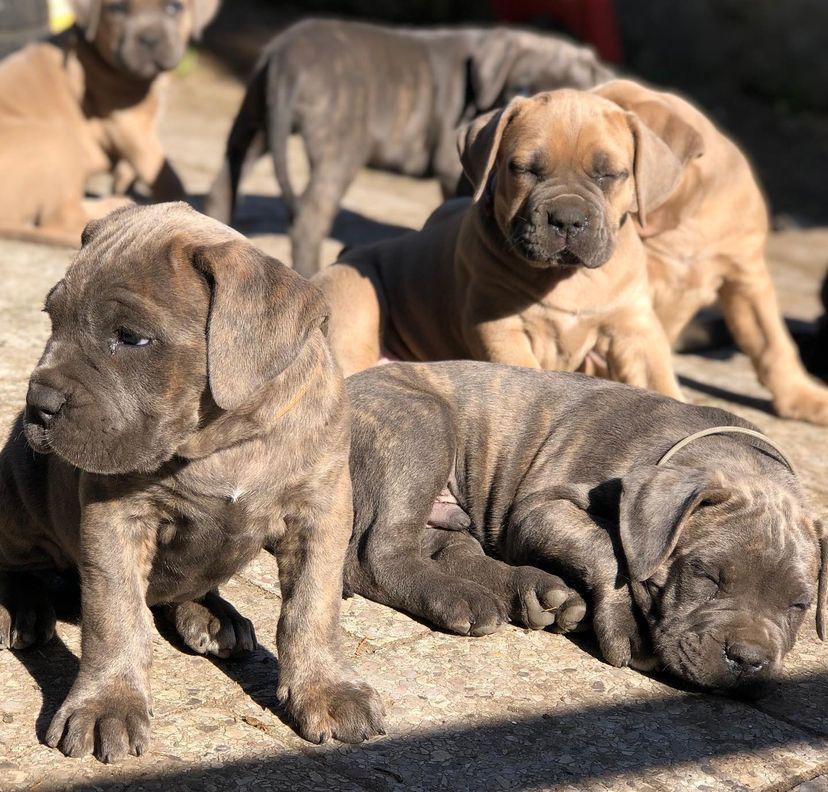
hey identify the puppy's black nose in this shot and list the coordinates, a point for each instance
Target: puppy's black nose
(567, 221)
(43, 404)
(148, 39)
(745, 658)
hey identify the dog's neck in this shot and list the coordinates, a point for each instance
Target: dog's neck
(107, 88)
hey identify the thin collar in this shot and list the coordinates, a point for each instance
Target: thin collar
(715, 430)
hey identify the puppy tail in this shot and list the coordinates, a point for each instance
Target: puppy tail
(280, 125)
(245, 144)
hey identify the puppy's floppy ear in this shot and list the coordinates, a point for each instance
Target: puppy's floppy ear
(656, 503)
(261, 314)
(87, 16)
(479, 140)
(664, 142)
(203, 12)
(656, 170)
(490, 64)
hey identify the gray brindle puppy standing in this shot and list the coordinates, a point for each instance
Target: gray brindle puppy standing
(362, 94)
(185, 412)
(700, 557)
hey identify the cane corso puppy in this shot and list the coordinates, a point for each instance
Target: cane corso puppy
(702, 558)
(602, 222)
(389, 97)
(86, 102)
(186, 411)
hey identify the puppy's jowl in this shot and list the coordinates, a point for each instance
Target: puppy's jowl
(703, 563)
(185, 412)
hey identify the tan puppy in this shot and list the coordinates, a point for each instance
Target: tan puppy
(707, 242)
(86, 102)
(186, 412)
(545, 269)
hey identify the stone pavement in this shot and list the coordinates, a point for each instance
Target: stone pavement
(516, 710)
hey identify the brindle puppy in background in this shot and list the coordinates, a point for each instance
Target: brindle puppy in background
(86, 102)
(362, 94)
(167, 455)
(705, 565)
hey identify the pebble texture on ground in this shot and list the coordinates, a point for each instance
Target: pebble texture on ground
(516, 710)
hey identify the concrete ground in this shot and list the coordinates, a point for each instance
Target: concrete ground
(516, 710)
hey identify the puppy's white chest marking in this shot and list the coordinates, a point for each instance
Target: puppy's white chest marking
(235, 494)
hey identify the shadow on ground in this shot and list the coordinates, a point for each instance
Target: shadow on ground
(569, 747)
(266, 214)
(534, 749)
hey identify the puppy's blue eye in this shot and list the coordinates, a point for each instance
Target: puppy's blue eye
(128, 338)
(118, 8)
(174, 8)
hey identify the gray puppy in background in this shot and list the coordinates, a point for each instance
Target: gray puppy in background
(703, 564)
(362, 94)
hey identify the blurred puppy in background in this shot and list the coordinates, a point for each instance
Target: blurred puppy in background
(362, 94)
(86, 102)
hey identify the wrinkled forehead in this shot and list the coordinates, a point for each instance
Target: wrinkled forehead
(568, 124)
(761, 533)
(144, 251)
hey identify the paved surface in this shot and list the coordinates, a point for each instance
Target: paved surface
(517, 710)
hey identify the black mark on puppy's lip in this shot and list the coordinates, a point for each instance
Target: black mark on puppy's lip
(569, 259)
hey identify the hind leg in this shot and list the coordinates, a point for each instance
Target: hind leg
(331, 172)
(752, 314)
(27, 617)
(355, 322)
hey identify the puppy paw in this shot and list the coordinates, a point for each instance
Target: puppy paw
(617, 631)
(213, 626)
(347, 710)
(539, 598)
(466, 609)
(27, 617)
(116, 712)
(808, 402)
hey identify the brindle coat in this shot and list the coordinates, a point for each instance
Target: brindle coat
(186, 411)
(705, 565)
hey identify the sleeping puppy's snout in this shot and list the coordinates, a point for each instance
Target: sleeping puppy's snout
(724, 570)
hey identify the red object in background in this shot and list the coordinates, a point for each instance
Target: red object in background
(592, 21)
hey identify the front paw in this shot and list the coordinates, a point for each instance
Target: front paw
(116, 712)
(27, 617)
(808, 402)
(465, 608)
(541, 600)
(618, 632)
(347, 710)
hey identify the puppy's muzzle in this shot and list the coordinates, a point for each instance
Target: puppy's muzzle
(746, 659)
(566, 219)
(43, 404)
